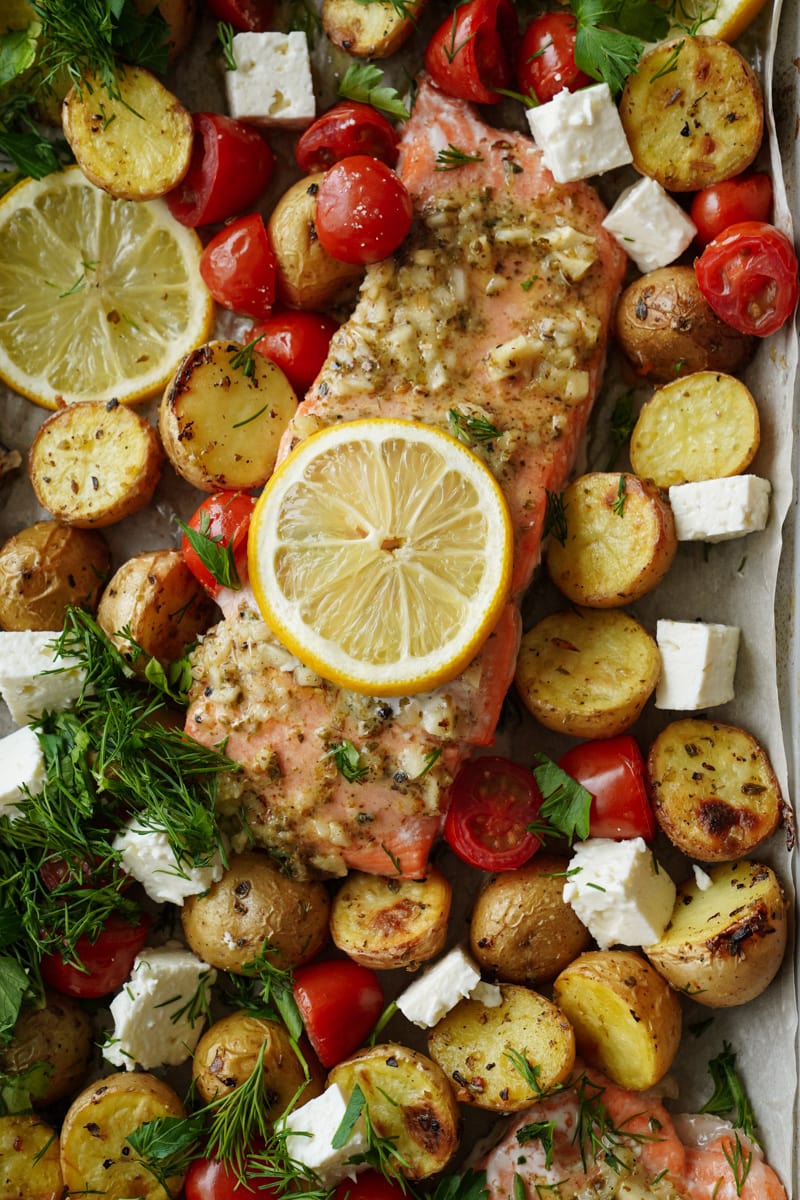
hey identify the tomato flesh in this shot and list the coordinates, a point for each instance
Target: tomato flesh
(231, 164)
(613, 770)
(248, 16)
(469, 55)
(546, 63)
(492, 802)
(363, 210)
(297, 342)
(238, 267)
(339, 1001)
(744, 198)
(369, 1185)
(748, 275)
(210, 1179)
(225, 518)
(107, 961)
(346, 129)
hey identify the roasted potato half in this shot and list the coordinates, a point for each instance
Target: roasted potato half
(252, 906)
(384, 922)
(725, 943)
(587, 672)
(47, 567)
(693, 113)
(409, 1100)
(61, 1035)
(485, 1050)
(228, 1052)
(703, 426)
(619, 543)
(627, 1019)
(667, 328)
(30, 1166)
(308, 277)
(91, 464)
(369, 30)
(220, 426)
(714, 792)
(136, 146)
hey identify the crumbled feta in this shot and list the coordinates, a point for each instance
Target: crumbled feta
(28, 692)
(146, 854)
(619, 891)
(311, 1130)
(21, 765)
(714, 510)
(580, 133)
(487, 994)
(698, 664)
(150, 1030)
(440, 988)
(649, 225)
(701, 878)
(272, 82)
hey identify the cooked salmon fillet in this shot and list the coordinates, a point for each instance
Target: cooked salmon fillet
(491, 323)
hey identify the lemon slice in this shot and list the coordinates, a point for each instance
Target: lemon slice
(380, 554)
(99, 298)
(725, 18)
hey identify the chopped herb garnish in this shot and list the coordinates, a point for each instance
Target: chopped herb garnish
(243, 360)
(430, 759)
(555, 517)
(225, 35)
(622, 495)
(471, 429)
(452, 158)
(348, 761)
(669, 65)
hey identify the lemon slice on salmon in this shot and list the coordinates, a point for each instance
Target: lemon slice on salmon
(99, 298)
(717, 18)
(380, 554)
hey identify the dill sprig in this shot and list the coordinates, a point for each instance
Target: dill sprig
(471, 429)
(555, 517)
(739, 1160)
(348, 761)
(729, 1096)
(451, 158)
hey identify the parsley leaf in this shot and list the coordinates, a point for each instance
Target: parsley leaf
(215, 555)
(539, 1131)
(611, 35)
(469, 1186)
(566, 802)
(348, 761)
(362, 81)
(13, 986)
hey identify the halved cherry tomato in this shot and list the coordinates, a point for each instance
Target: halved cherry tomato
(249, 16)
(744, 198)
(470, 54)
(363, 210)
(613, 770)
(223, 518)
(546, 63)
(238, 267)
(297, 342)
(210, 1179)
(369, 1185)
(231, 165)
(339, 1001)
(106, 961)
(346, 129)
(749, 277)
(492, 802)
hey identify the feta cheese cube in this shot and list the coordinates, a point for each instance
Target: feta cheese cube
(698, 663)
(272, 83)
(649, 225)
(311, 1131)
(145, 853)
(24, 656)
(580, 133)
(21, 765)
(619, 891)
(439, 989)
(715, 510)
(149, 1028)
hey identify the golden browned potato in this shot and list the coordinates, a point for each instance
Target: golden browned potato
(587, 672)
(714, 792)
(47, 567)
(60, 1035)
(627, 1019)
(254, 904)
(521, 929)
(703, 426)
(91, 464)
(486, 1049)
(137, 146)
(693, 113)
(409, 1100)
(384, 922)
(227, 1054)
(369, 30)
(308, 277)
(667, 329)
(619, 544)
(157, 599)
(95, 1155)
(180, 16)
(30, 1167)
(725, 942)
(221, 427)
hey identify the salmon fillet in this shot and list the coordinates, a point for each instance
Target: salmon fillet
(491, 322)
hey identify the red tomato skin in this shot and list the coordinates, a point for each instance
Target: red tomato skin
(231, 165)
(108, 960)
(238, 267)
(364, 210)
(297, 342)
(369, 1185)
(248, 16)
(346, 129)
(613, 770)
(209, 1179)
(339, 1001)
(744, 198)
(469, 55)
(229, 516)
(546, 63)
(748, 275)
(492, 799)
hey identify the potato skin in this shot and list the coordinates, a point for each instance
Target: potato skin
(29, 1159)
(227, 1053)
(60, 1034)
(368, 31)
(384, 922)
(47, 567)
(308, 277)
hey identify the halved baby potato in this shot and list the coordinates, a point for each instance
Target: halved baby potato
(372, 30)
(30, 1167)
(308, 277)
(47, 567)
(227, 1054)
(384, 922)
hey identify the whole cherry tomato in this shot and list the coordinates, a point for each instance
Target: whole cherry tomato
(219, 556)
(369, 1185)
(249, 16)
(346, 129)
(470, 54)
(297, 342)
(106, 961)
(546, 62)
(210, 1179)
(339, 1001)
(363, 210)
(613, 770)
(238, 267)
(744, 198)
(748, 275)
(492, 802)
(231, 165)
